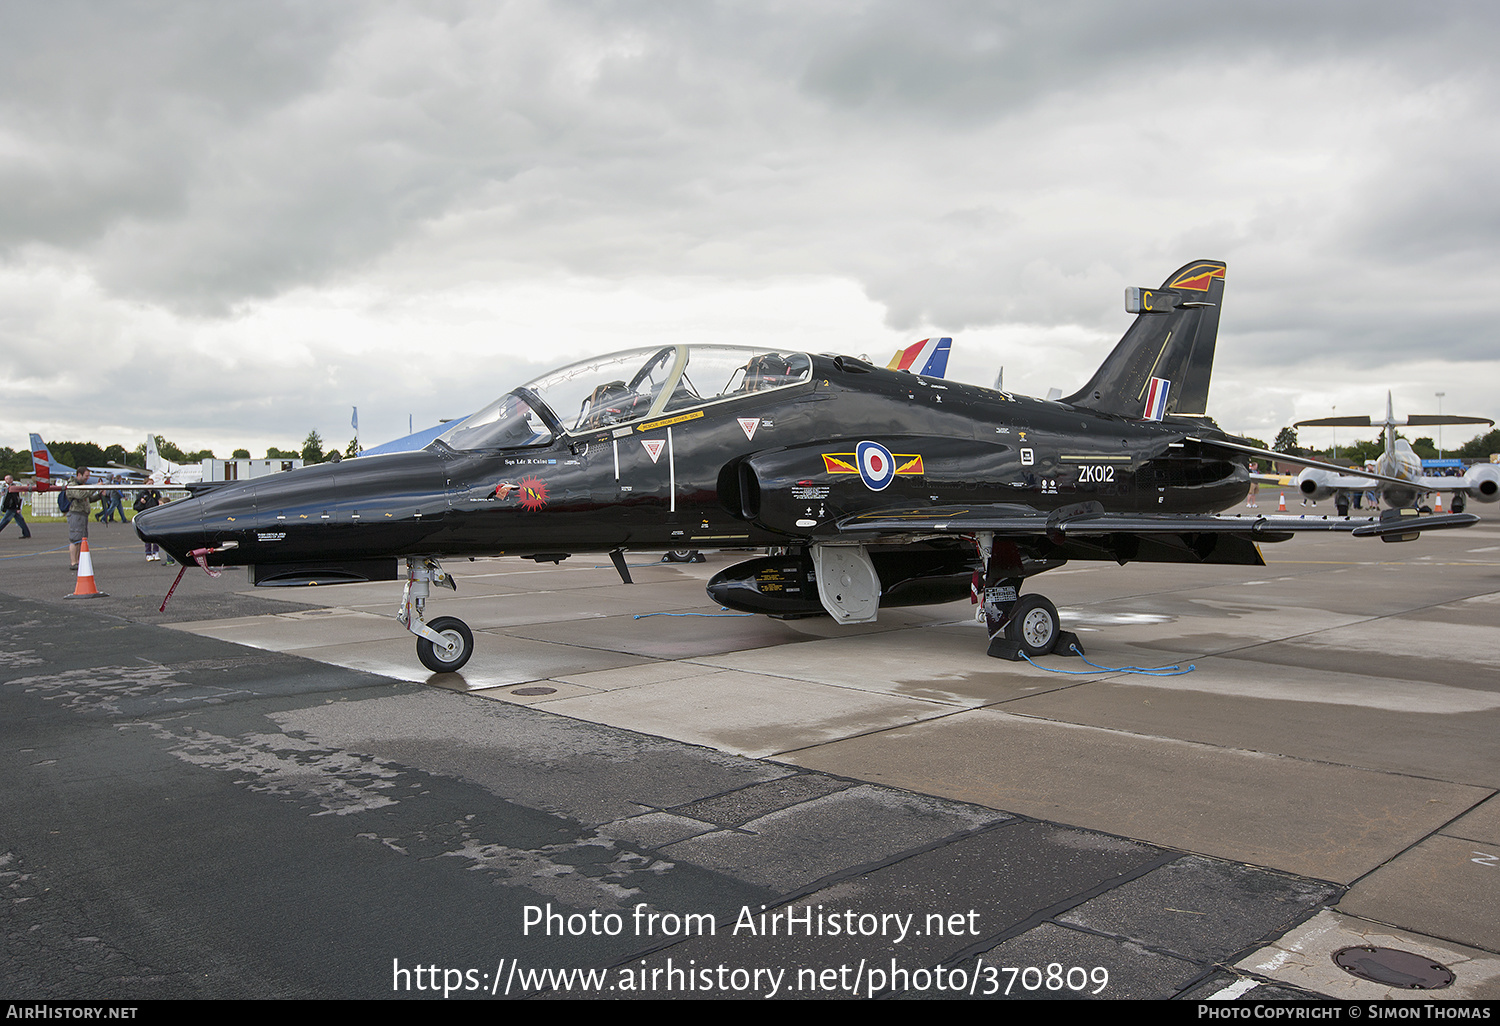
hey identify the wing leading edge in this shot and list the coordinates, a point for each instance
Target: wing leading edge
(1091, 520)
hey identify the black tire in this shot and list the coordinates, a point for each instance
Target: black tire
(434, 658)
(1034, 626)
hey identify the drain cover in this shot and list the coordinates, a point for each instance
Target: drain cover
(530, 692)
(1393, 968)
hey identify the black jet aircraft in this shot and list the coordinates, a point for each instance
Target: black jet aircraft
(879, 487)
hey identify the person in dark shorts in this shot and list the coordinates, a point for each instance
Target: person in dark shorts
(80, 501)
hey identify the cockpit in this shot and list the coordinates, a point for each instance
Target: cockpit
(624, 388)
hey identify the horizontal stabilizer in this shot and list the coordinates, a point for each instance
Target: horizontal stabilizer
(1416, 420)
(1431, 420)
(1338, 422)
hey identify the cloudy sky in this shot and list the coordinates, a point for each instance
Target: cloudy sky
(231, 223)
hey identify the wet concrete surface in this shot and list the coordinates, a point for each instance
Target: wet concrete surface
(263, 794)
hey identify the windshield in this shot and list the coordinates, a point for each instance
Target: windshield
(625, 387)
(507, 423)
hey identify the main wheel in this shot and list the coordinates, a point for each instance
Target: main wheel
(460, 646)
(1034, 625)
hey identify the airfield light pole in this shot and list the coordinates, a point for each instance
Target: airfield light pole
(1440, 427)
(1335, 435)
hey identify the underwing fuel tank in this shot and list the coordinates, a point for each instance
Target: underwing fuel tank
(787, 586)
(783, 586)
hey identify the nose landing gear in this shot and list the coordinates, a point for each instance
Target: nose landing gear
(445, 644)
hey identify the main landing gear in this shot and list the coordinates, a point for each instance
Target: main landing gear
(445, 644)
(1019, 625)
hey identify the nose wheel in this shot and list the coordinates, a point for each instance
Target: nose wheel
(456, 647)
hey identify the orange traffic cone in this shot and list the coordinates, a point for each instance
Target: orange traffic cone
(1280, 507)
(1438, 506)
(85, 587)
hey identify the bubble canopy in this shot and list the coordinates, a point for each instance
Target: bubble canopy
(623, 388)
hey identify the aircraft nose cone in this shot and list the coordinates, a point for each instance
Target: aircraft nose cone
(177, 527)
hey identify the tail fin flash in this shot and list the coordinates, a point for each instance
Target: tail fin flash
(1156, 398)
(928, 357)
(1162, 364)
(41, 461)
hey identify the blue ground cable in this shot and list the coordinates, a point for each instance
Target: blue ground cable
(1149, 671)
(642, 616)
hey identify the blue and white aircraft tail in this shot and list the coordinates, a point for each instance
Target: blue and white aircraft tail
(49, 473)
(45, 469)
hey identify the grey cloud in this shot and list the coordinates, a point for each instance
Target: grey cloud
(980, 61)
(107, 111)
(969, 164)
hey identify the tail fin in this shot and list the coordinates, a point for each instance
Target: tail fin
(1162, 364)
(153, 458)
(928, 357)
(1390, 426)
(43, 466)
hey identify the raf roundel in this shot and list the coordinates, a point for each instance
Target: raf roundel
(877, 468)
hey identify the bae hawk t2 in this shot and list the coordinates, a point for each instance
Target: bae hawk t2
(883, 487)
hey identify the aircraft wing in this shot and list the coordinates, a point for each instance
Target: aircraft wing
(1083, 522)
(194, 488)
(105, 486)
(1441, 484)
(32, 485)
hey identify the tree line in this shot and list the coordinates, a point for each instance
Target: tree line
(17, 462)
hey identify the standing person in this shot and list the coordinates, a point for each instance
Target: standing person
(11, 504)
(109, 506)
(149, 499)
(79, 504)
